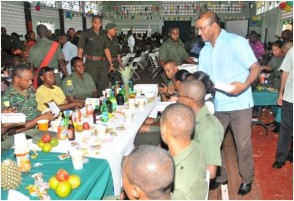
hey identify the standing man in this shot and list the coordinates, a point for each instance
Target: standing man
(228, 58)
(40, 50)
(93, 44)
(173, 49)
(69, 51)
(286, 100)
(114, 50)
(131, 41)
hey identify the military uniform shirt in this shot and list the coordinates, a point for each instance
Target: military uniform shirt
(26, 104)
(40, 50)
(84, 88)
(173, 50)
(190, 183)
(209, 134)
(93, 44)
(114, 47)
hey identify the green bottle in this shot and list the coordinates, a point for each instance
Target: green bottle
(131, 87)
(104, 111)
(113, 101)
(123, 92)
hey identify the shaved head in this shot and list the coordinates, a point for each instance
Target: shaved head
(178, 120)
(211, 16)
(194, 89)
(151, 169)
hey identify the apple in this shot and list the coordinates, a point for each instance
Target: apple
(86, 126)
(46, 138)
(62, 175)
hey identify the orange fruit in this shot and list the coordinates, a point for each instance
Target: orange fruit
(54, 142)
(74, 180)
(53, 182)
(47, 147)
(63, 189)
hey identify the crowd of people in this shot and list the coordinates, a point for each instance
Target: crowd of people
(71, 67)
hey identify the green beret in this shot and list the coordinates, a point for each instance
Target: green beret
(110, 26)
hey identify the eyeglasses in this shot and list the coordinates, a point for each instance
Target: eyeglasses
(202, 28)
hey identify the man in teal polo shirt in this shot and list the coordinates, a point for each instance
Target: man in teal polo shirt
(176, 126)
(228, 58)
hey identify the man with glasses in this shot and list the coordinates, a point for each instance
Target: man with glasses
(114, 50)
(228, 58)
(173, 49)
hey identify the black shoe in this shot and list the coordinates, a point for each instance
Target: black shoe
(244, 189)
(290, 158)
(214, 184)
(278, 165)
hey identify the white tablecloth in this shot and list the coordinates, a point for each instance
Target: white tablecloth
(192, 68)
(113, 148)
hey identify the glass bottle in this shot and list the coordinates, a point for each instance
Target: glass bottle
(113, 101)
(104, 112)
(109, 105)
(96, 114)
(71, 131)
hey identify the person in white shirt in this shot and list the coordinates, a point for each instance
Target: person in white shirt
(69, 51)
(131, 41)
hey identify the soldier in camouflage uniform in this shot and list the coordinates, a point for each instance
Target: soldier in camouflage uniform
(173, 49)
(21, 95)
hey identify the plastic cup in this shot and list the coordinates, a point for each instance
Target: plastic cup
(138, 92)
(77, 158)
(141, 103)
(43, 125)
(132, 103)
(128, 114)
(54, 125)
(108, 91)
(262, 78)
(101, 130)
(20, 143)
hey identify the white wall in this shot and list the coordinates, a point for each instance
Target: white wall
(48, 14)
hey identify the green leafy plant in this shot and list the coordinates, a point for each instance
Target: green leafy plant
(126, 73)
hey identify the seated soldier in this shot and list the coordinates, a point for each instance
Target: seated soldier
(79, 85)
(209, 132)
(148, 174)
(176, 126)
(48, 91)
(21, 95)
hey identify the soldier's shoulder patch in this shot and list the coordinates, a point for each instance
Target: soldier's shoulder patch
(68, 83)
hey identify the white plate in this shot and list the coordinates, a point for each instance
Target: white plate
(224, 86)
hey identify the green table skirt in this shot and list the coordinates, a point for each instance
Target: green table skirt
(264, 97)
(96, 177)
